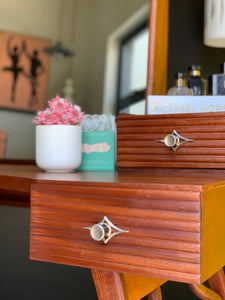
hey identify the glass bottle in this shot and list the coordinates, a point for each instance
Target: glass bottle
(217, 82)
(196, 83)
(180, 87)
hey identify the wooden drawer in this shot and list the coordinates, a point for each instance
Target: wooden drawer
(138, 140)
(173, 229)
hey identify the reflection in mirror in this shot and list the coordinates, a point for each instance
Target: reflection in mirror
(126, 61)
(94, 30)
(90, 28)
(133, 71)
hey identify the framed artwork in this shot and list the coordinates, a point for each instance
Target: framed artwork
(23, 72)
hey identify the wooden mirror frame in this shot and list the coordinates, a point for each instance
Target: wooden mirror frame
(158, 48)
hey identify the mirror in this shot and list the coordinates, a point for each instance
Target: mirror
(84, 19)
(85, 26)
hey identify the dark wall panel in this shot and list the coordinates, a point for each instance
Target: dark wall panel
(23, 279)
(186, 19)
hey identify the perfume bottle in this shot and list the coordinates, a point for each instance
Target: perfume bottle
(217, 82)
(180, 87)
(196, 83)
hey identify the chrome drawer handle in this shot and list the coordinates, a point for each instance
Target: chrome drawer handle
(104, 230)
(174, 140)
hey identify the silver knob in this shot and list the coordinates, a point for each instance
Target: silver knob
(100, 231)
(174, 140)
(171, 140)
(104, 230)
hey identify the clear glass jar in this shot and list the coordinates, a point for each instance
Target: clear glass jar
(180, 88)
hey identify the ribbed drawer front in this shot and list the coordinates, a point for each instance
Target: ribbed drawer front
(164, 228)
(137, 138)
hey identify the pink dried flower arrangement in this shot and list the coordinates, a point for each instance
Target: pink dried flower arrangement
(59, 112)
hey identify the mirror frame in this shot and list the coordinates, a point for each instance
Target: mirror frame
(158, 48)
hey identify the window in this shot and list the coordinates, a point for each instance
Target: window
(133, 71)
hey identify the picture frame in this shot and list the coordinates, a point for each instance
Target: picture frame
(23, 72)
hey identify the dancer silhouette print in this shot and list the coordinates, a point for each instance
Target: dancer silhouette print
(14, 53)
(36, 69)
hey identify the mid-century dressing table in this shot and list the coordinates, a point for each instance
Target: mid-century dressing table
(151, 221)
(172, 221)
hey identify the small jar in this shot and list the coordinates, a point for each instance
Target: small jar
(180, 88)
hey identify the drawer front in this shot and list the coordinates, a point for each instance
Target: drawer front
(171, 141)
(163, 238)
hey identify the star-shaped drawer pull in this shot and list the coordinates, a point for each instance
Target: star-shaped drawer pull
(174, 140)
(104, 230)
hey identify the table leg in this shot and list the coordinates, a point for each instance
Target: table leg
(217, 283)
(155, 295)
(204, 293)
(108, 285)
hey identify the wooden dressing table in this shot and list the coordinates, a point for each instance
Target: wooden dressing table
(175, 225)
(170, 221)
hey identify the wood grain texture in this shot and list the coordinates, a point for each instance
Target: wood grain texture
(155, 295)
(213, 228)
(14, 198)
(108, 285)
(158, 48)
(217, 283)
(204, 293)
(136, 287)
(163, 241)
(14, 189)
(179, 193)
(137, 144)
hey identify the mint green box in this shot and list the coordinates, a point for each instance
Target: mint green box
(98, 151)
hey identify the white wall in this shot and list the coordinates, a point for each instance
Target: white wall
(37, 18)
(99, 19)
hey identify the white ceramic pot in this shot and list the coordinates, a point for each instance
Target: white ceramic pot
(58, 147)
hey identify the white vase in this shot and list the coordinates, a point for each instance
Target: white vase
(58, 147)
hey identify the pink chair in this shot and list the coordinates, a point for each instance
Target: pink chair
(3, 138)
